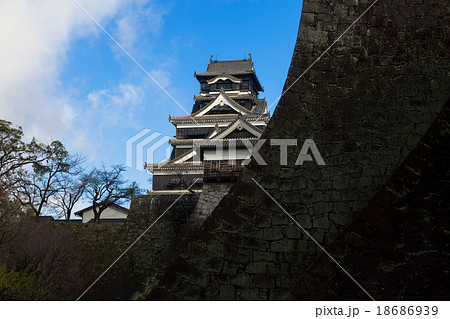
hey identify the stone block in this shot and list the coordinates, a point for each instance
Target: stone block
(272, 234)
(264, 281)
(264, 256)
(256, 268)
(293, 232)
(242, 280)
(322, 222)
(227, 293)
(249, 294)
(283, 246)
(304, 221)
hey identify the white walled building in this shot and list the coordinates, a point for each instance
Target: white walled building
(112, 213)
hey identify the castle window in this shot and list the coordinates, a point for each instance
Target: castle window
(224, 85)
(245, 85)
(197, 134)
(205, 87)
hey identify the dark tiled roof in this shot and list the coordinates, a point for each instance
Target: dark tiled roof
(171, 164)
(186, 166)
(232, 67)
(46, 218)
(228, 67)
(220, 131)
(217, 118)
(108, 220)
(260, 107)
(227, 142)
(184, 141)
(233, 96)
(72, 221)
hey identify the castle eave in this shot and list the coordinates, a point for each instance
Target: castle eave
(217, 118)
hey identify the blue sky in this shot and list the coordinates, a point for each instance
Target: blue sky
(63, 78)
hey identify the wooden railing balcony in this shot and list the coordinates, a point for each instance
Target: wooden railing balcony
(221, 170)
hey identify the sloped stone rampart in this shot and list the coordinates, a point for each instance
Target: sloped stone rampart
(397, 247)
(366, 103)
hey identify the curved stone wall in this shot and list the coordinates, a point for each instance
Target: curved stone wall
(366, 103)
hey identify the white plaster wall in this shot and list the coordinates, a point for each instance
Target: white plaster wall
(109, 213)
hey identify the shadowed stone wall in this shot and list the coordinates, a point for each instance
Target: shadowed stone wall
(210, 196)
(366, 103)
(144, 212)
(122, 280)
(398, 245)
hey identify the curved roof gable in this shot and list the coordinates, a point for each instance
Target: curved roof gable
(239, 124)
(222, 100)
(224, 77)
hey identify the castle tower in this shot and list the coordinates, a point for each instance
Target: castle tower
(213, 141)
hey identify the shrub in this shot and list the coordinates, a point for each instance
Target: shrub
(22, 285)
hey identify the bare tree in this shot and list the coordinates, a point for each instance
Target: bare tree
(106, 186)
(35, 186)
(71, 192)
(71, 188)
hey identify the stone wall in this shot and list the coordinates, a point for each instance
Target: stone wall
(366, 103)
(124, 278)
(69, 256)
(145, 210)
(398, 245)
(212, 194)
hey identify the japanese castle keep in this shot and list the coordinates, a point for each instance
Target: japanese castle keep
(212, 142)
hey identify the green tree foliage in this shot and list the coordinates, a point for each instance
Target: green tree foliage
(37, 178)
(36, 186)
(23, 285)
(14, 153)
(9, 209)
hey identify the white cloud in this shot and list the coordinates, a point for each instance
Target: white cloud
(138, 18)
(106, 111)
(35, 37)
(111, 107)
(126, 33)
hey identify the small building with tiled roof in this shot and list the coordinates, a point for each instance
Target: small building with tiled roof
(114, 213)
(212, 142)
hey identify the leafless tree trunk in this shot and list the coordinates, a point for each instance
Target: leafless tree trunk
(105, 187)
